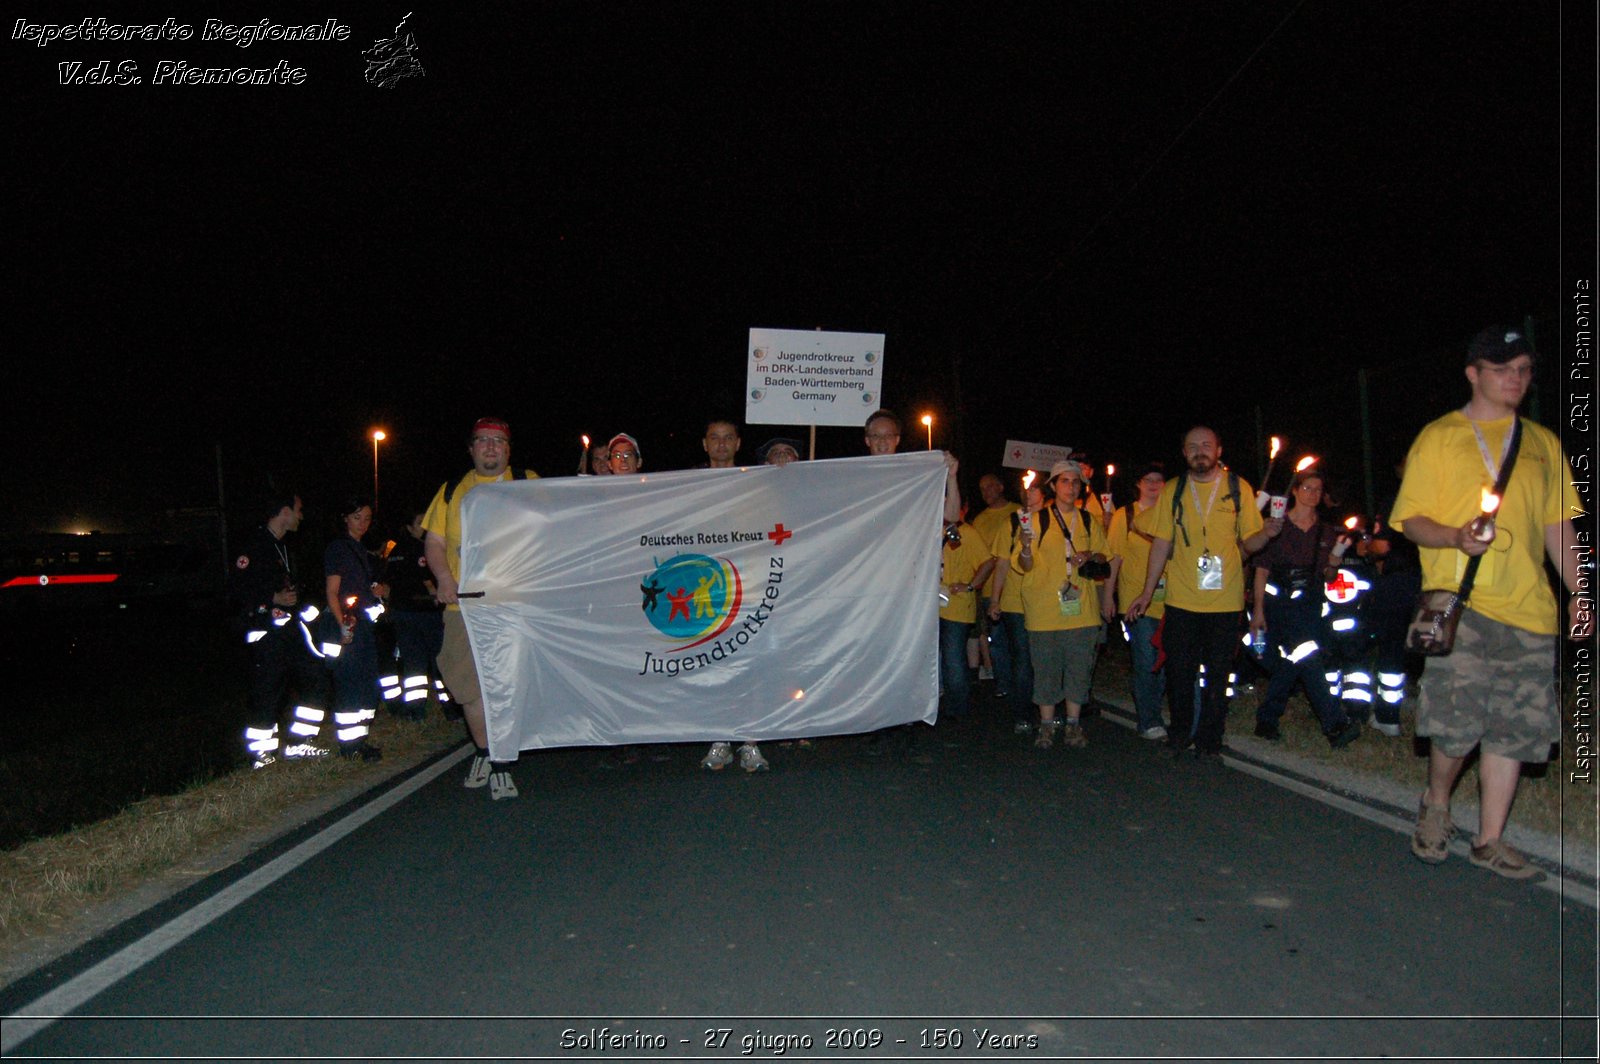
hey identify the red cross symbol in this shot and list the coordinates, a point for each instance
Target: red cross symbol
(1017, 453)
(779, 534)
(1341, 588)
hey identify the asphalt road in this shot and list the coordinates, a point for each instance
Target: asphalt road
(937, 893)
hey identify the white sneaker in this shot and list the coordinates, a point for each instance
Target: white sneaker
(750, 758)
(1153, 733)
(501, 785)
(1391, 730)
(305, 752)
(985, 672)
(478, 772)
(719, 757)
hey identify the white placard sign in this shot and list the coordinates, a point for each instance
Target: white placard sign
(797, 377)
(1041, 456)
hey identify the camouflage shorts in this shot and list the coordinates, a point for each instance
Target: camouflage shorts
(1497, 688)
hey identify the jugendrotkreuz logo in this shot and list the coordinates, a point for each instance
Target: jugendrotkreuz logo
(692, 598)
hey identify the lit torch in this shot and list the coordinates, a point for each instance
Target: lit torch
(1305, 463)
(1483, 524)
(1023, 514)
(1272, 456)
(583, 456)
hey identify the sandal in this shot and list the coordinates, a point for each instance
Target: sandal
(1431, 841)
(1502, 860)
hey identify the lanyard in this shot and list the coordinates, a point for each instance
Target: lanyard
(1483, 448)
(1205, 513)
(1066, 533)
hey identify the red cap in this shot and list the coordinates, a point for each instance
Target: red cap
(484, 423)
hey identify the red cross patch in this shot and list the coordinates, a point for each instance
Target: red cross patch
(1342, 588)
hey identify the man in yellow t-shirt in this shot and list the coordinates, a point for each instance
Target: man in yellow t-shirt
(1129, 549)
(490, 448)
(995, 515)
(1496, 689)
(965, 566)
(1200, 529)
(1006, 619)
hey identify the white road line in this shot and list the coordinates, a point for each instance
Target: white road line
(75, 992)
(1573, 890)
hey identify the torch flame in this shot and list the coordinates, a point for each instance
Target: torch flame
(1351, 523)
(1277, 444)
(1111, 470)
(1027, 479)
(1491, 501)
(1305, 463)
(586, 441)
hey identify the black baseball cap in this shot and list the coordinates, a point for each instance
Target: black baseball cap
(1498, 344)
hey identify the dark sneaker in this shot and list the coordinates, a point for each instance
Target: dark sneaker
(1268, 729)
(364, 750)
(501, 785)
(1345, 736)
(1431, 841)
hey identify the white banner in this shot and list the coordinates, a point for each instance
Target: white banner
(766, 602)
(1040, 456)
(797, 377)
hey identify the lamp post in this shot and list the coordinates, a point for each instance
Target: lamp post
(927, 423)
(378, 436)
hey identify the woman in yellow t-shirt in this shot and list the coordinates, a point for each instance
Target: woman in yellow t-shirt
(1060, 605)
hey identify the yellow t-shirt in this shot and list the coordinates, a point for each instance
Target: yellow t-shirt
(1213, 526)
(989, 522)
(1445, 479)
(1134, 550)
(961, 564)
(444, 519)
(1001, 548)
(1041, 586)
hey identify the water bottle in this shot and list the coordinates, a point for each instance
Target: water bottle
(1258, 643)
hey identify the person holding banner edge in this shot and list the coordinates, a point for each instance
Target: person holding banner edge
(721, 444)
(883, 437)
(490, 447)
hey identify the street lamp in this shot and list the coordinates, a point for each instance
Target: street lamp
(927, 423)
(378, 436)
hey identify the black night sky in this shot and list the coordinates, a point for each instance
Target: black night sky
(1083, 223)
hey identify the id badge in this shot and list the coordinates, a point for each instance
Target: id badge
(1161, 590)
(1210, 572)
(1071, 599)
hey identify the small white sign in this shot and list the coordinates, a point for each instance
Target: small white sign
(1041, 456)
(797, 377)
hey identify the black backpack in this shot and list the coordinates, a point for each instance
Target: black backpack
(1177, 503)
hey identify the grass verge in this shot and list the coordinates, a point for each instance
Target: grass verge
(49, 886)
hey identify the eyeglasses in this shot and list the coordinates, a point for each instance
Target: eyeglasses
(628, 455)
